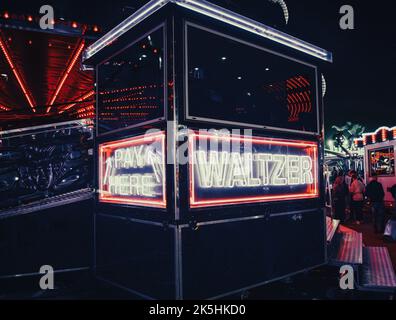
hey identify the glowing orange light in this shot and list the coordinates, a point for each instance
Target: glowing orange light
(4, 108)
(95, 29)
(66, 74)
(74, 25)
(6, 15)
(17, 75)
(30, 18)
(384, 134)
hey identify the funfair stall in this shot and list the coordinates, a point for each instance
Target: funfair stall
(379, 158)
(209, 148)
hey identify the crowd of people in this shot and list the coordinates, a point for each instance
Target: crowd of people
(350, 195)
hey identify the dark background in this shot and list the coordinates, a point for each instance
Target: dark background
(360, 82)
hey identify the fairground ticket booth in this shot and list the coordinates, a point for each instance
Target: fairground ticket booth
(209, 153)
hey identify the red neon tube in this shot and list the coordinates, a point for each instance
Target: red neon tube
(66, 74)
(17, 75)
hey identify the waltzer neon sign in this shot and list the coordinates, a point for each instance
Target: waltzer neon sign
(132, 171)
(256, 170)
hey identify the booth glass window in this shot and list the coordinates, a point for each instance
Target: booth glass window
(382, 162)
(235, 82)
(131, 85)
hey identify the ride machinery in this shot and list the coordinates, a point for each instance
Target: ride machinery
(46, 141)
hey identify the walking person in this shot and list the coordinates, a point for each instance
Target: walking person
(334, 175)
(348, 178)
(340, 193)
(375, 193)
(357, 193)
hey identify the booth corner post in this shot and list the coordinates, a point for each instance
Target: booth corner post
(224, 221)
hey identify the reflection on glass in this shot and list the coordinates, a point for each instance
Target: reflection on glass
(382, 162)
(236, 82)
(131, 85)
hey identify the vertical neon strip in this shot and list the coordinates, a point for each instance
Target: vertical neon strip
(17, 75)
(66, 74)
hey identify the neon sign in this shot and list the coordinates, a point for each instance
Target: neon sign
(132, 171)
(269, 170)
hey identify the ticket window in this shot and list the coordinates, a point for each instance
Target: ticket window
(252, 85)
(131, 85)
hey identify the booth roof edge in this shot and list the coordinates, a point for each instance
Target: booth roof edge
(216, 12)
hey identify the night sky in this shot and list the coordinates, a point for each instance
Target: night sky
(360, 82)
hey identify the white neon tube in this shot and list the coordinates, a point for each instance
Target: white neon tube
(250, 25)
(215, 12)
(124, 27)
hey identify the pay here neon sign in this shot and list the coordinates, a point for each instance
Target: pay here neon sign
(132, 171)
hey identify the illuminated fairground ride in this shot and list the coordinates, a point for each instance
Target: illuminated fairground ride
(342, 154)
(46, 111)
(41, 78)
